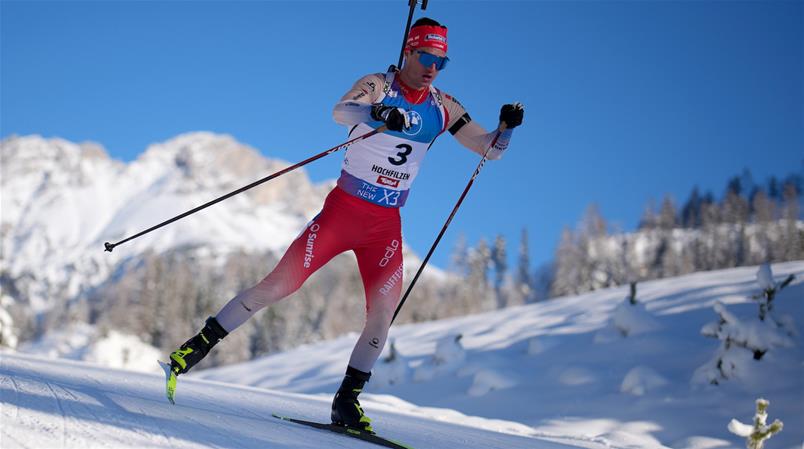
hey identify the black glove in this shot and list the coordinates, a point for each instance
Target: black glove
(396, 119)
(511, 114)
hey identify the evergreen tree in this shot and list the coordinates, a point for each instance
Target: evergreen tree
(735, 208)
(594, 264)
(524, 278)
(472, 292)
(459, 261)
(764, 217)
(499, 263)
(734, 186)
(747, 183)
(649, 219)
(668, 218)
(764, 209)
(774, 191)
(664, 258)
(793, 239)
(568, 259)
(543, 280)
(756, 434)
(796, 181)
(710, 211)
(593, 225)
(736, 213)
(691, 212)
(479, 264)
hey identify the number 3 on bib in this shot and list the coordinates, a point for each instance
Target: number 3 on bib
(403, 155)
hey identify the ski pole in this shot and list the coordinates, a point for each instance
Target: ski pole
(110, 246)
(451, 216)
(412, 4)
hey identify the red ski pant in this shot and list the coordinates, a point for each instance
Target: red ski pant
(345, 223)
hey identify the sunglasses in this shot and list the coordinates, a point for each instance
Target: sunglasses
(428, 59)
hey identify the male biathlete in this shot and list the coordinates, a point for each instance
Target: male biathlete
(362, 213)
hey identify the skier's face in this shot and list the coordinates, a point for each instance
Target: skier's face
(418, 75)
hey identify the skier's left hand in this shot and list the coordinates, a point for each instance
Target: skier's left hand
(511, 114)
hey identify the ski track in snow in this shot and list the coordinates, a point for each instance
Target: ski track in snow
(63, 417)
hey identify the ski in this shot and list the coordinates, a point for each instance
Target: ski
(353, 433)
(170, 381)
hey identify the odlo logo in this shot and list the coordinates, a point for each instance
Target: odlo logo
(308, 248)
(389, 252)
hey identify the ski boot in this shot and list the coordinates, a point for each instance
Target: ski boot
(191, 352)
(346, 409)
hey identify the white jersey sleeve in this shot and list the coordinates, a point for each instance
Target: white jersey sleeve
(470, 134)
(355, 106)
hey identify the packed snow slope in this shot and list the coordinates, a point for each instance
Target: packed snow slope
(66, 404)
(563, 368)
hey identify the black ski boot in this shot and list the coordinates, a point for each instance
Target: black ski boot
(346, 409)
(197, 347)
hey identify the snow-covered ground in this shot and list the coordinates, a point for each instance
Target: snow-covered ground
(81, 341)
(562, 368)
(547, 375)
(65, 404)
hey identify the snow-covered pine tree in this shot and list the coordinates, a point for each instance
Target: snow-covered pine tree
(8, 336)
(499, 262)
(593, 245)
(524, 279)
(691, 211)
(764, 213)
(460, 256)
(756, 434)
(744, 340)
(710, 221)
(735, 211)
(478, 279)
(668, 216)
(568, 278)
(769, 290)
(649, 219)
(793, 240)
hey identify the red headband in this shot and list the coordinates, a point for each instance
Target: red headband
(428, 36)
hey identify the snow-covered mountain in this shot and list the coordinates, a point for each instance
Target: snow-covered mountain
(61, 201)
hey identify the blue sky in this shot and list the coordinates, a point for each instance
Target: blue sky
(625, 101)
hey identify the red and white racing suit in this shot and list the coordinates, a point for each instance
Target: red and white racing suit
(361, 214)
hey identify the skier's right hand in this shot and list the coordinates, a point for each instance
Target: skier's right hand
(396, 119)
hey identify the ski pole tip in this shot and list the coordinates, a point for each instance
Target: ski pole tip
(109, 246)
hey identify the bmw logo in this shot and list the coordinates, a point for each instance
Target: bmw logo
(416, 123)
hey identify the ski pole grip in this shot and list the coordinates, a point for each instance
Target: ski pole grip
(109, 246)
